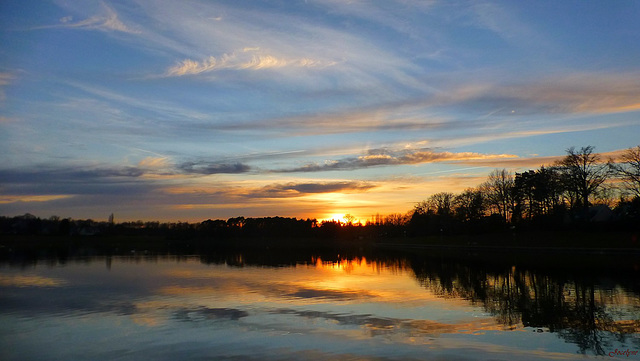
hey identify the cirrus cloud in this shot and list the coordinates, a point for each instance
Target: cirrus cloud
(107, 20)
(5, 79)
(386, 157)
(245, 59)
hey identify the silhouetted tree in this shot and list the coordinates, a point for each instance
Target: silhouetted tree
(537, 193)
(627, 168)
(469, 205)
(523, 195)
(584, 174)
(442, 203)
(498, 190)
(349, 219)
(396, 219)
(549, 189)
(422, 208)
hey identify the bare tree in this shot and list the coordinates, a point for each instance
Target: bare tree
(627, 168)
(584, 173)
(442, 203)
(470, 205)
(421, 207)
(498, 191)
(349, 219)
(397, 219)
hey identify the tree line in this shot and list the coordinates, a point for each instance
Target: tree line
(581, 188)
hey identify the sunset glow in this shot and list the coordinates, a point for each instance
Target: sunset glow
(194, 110)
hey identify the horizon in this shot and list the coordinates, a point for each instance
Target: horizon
(165, 111)
(620, 194)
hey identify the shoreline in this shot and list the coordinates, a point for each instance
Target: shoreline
(509, 249)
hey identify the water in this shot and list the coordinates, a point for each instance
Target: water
(270, 306)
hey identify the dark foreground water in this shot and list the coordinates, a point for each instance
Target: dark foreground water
(309, 307)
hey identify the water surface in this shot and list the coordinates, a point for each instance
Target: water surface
(230, 307)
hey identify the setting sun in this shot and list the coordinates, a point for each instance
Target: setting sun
(333, 217)
(341, 217)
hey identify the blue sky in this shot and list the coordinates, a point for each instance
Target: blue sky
(188, 110)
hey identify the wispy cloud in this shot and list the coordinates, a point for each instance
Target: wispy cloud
(224, 36)
(504, 22)
(245, 59)
(519, 163)
(504, 131)
(382, 117)
(389, 14)
(386, 157)
(487, 104)
(536, 162)
(107, 20)
(4, 199)
(160, 108)
(5, 79)
(154, 163)
(593, 93)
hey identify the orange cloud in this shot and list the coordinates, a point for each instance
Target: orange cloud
(534, 162)
(385, 157)
(154, 162)
(32, 198)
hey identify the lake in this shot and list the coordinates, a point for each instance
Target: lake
(271, 305)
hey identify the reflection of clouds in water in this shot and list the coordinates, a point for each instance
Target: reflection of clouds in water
(343, 310)
(206, 313)
(43, 301)
(310, 293)
(375, 325)
(320, 281)
(248, 290)
(30, 281)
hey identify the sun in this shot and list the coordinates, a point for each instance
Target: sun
(342, 217)
(336, 217)
(332, 217)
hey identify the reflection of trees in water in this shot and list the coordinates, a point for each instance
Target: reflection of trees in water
(572, 307)
(583, 308)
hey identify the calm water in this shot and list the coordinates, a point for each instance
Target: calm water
(240, 307)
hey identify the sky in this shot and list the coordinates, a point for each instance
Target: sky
(193, 110)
